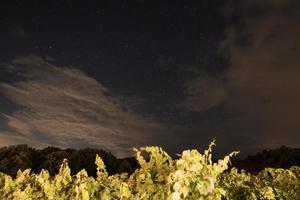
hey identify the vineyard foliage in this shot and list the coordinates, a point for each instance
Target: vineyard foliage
(192, 176)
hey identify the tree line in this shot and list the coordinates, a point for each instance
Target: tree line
(13, 158)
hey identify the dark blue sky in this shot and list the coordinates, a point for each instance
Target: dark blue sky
(118, 74)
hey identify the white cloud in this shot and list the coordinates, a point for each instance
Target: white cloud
(66, 108)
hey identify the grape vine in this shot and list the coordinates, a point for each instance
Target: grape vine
(192, 176)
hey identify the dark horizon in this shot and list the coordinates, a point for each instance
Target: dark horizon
(114, 75)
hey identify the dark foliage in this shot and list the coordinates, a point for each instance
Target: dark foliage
(283, 157)
(22, 157)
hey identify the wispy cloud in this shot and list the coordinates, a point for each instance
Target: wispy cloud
(204, 92)
(19, 32)
(62, 106)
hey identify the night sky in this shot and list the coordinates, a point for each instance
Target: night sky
(129, 73)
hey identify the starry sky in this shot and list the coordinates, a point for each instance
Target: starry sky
(129, 73)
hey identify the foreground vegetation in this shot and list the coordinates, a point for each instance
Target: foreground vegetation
(192, 176)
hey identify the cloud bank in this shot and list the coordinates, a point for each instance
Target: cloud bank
(64, 107)
(262, 84)
(265, 68)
